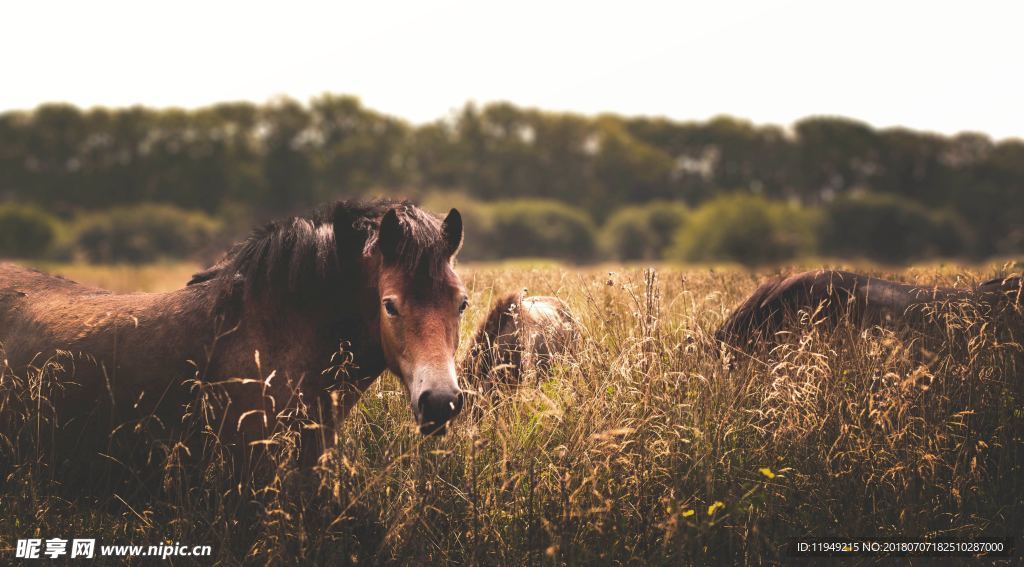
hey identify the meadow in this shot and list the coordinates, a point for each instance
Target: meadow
(648, 441)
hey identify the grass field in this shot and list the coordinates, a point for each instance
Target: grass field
(647, 442)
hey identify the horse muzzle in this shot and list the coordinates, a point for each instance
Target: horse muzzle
(436, 407)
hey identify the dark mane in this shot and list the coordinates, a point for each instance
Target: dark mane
(751, 317)
(319, 248)
(504, 309)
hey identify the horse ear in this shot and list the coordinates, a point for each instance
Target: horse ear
(390, 235)
(452, 231)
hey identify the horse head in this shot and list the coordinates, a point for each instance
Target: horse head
(421, 302)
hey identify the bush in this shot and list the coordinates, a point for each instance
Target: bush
(952, 235)
(540, 229)
(891, 229)
(25, 231)
(643, 232)
(142, 233)
(745, 229)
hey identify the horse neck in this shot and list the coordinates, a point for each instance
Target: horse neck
(303, 331)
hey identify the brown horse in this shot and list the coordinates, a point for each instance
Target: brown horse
(857, 299)
(356, 288)
(519, 335)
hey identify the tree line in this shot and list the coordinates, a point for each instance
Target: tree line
(247, 160)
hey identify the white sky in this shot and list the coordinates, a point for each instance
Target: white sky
(940, 66)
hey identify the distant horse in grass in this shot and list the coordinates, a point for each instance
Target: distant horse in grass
(303, 311)
(519, 335)
(837, 296)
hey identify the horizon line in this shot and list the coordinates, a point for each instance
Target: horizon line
(454, 110)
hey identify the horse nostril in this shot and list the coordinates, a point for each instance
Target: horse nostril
(425, 406)
(439, 407)
(460, 401)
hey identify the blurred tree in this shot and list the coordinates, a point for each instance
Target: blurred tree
(891, 229)
(643, 232)
(835, 155)
(287, 165)
(235, 127)
(52, 154)
(989, 194)
(750, 158)
(356, 149)
(13, 158)
(912, 165)
(436, 156)
(538, 228)
(746, 229)
(693, 158)
(238, 159)
(114, 157)
(142, 234)
(629, 171)
(25, 231)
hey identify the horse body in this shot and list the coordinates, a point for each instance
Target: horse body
(104, 333)
(519, 335)
(128, 357)
(854, 298)
(289, 316)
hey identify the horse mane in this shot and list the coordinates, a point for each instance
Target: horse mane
(290, 255)
(747, 320)
(485, 353)
(504, 308)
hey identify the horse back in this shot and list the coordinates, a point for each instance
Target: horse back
(835, 295)
(131, 351)
(40, 313)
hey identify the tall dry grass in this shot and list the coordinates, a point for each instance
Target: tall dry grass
(648, 442)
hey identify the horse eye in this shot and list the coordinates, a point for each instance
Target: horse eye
(463, 306)
(389, 306)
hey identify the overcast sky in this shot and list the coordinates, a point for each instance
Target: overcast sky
(940, 66)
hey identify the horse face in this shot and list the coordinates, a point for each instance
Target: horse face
(420, 327)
